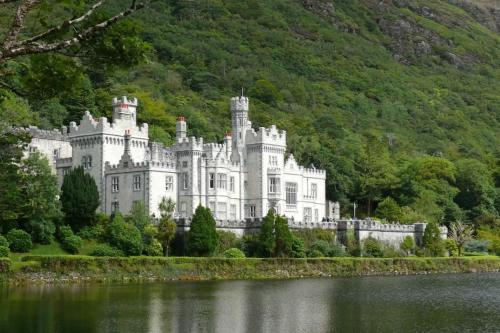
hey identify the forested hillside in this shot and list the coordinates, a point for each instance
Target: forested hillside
(396, 99)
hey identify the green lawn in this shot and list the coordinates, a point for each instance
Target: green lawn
(53, 249)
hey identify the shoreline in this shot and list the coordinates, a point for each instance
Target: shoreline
(85, 269)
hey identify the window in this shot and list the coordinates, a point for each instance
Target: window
(314, 191)
(221, 180)
(87, 162)
(115, 184)
(169, 183)
(250, 211)
(183, 209)
(222, 211)
(137, 183)
(65, 171)
(56, 153)
(273, 160)
(274, 185)
(184, 164)
(185, 180)
(115, 206)
(211, 206)
(307, 214)
(211, 183)
(316, 215)
(232, 213)
(231, 184)
(291, 193)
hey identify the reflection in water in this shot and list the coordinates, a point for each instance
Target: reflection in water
(441, 303)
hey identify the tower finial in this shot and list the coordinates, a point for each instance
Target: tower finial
(242, 92)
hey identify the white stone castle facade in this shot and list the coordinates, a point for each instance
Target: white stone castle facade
(240, 178)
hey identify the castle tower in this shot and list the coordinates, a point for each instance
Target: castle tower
(239, 120)
(124, 111)
(180, 128)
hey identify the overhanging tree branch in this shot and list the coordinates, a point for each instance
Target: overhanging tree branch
(12, 47)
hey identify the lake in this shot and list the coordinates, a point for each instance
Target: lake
(431, 303)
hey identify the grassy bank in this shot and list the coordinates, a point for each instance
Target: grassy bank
(55, 269)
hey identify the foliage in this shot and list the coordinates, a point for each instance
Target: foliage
(298, 248)
(309, 236)
(389, 210)
(90, 232)
(451, 246)
(79, 198)
(234, 253)
(227, 240)
(154, 248)
(124, 236)
(19, 240)
(460, 233)
(105, 250)
(3, 241)
(167, 227)
(250, 245)
(352, 244)
(42, 231)
(323, 248)
(4, 251)
(202, 237)
(139, 216)
(432, 240)
(275, 238)
(407, 245)
(476, 246)
(69, 241)
(372, 247)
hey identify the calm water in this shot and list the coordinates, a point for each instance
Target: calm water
(439, 303)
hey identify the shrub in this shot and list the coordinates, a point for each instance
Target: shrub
(105, 250)
(72, 244)
(3, 241)
(19, 240)
(325, 249)
(249, 244)
(154, 248)
(476, 246)
(124, 236)
(372, 248)
(234, 253)
(451, 246)
(4, 251)
(407, 245)
(42, 230)
(298, 248)
(315, 254)
(227, 240)
(389, 251)
(202, 237)
(92, 232)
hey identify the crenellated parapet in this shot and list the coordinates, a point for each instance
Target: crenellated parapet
(239, 103)
(189, 143)
(90, 126)
(140, 166)
(55, 134)
(271, 136)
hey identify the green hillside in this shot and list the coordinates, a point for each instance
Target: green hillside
(394, 98)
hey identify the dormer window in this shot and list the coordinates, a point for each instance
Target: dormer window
(87, 162)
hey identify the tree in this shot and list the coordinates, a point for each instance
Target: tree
(461, 234)
(139, 216)
(275, 237)
(167, 227)
(389, 209)
(79, 198)
(407, 245)
(63, 36)
(432, 239)
(124, 236)
(41, 203)
(202, 237)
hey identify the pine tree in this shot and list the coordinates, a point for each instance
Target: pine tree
(432, 240)
(275, 238)
(267, 240)
(79, 198)
(202, 237)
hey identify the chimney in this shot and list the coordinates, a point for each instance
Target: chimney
(127, 142)
(181, 128)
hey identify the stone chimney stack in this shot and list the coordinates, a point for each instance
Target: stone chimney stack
(181, 128)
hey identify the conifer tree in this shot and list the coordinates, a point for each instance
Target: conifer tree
(275, 237)
(432, 239)
(79, 198)
(202, 237)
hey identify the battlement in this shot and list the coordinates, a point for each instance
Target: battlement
(140, 166)
(270, 135)
(239, 103)
(54, 134)
(312, 171)
(124, 102)
(189, 143)
(90, 126)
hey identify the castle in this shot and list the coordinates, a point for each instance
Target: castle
(239, 179)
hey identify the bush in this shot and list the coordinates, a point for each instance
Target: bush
(69, 241)
(19, 240)
(476, 246)
(202, 236)
(3, 241)
(451, 246)
(153, 249)
(234, 253)
(390, 251)
(4, 251)
(124, 236)
(250, 245)
(42, 230)
(315, 254)
(227, 240)
(325, 249)
(92, 232)
(372, 248)
(298, 248)
(105, 250)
